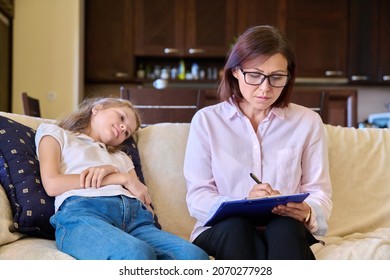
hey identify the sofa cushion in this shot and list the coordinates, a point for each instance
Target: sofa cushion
(131, 149)
(8, 233)
(162, 148)
(20, 178)
(360, 175)
(373, 245)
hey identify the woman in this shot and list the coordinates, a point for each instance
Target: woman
(255, 129)
(102, 210)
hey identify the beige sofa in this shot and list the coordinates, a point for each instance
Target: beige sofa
(359, 227)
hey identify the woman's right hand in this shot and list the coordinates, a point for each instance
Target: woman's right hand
(92, 177)
(261, 190)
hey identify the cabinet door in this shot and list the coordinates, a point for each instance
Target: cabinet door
(210, 27)
(384, 43)
(108, 40)
(260, 12)
(343, 107)
(363, 41)
(159, 27)
(318, 33)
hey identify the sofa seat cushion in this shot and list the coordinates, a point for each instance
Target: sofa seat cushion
(373, 245)
(32, 248)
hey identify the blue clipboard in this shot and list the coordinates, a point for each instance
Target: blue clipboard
(256, 210)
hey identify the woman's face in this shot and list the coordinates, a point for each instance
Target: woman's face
(259, 98)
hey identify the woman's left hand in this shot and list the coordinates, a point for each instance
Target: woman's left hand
(298, 211)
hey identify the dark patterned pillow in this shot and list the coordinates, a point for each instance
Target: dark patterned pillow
(131, 149)
(20, 178)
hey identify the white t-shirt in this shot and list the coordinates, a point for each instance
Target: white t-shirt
(78, 152)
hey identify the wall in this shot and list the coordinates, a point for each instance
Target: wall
(372, 100)
(48, 54)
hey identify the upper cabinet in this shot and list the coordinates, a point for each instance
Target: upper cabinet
(184, 28)
(318, 31)
(335, 41)
(369, 58)
(384, 43)
(109, 40)
(363, 38)
(255, 12)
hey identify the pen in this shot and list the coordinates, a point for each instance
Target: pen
(255, 178)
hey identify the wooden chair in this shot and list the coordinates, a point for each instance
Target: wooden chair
(317, 100)
(164, 105)
(31, 105)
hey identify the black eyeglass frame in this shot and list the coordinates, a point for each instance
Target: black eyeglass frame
(265, 77)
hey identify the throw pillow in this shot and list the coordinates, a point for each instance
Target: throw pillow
(131, 149)
(20, 178)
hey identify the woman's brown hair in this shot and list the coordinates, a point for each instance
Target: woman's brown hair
(259, 42)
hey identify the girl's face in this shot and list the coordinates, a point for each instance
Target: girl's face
(112, 126)
(259, 98)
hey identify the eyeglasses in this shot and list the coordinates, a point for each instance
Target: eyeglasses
(256, 78)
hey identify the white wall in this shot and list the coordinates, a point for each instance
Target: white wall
(372, 100)
(48, 54)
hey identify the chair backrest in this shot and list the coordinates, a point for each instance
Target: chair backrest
(164, 105)
(317, 100)
(30, 105)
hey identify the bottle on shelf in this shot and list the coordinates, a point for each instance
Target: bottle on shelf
(195, 71)
(182, 70)
(141, 72)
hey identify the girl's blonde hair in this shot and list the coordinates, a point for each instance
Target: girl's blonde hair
(80, 119)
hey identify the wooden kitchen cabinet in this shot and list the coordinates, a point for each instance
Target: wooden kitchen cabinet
(363, 39)
(260, 12)
(342, 104)
(384, 43)
(109, 40)
(184, 28)
(318, 31)
(343, 107)
(369, 59)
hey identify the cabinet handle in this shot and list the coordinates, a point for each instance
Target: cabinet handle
(359, 78)
(194, 51)
(386, 77)
(170, 50)
(333, 73)
(121, 75)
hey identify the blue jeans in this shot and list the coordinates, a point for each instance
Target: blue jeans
(118, 228)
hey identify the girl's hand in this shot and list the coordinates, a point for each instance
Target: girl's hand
(92, 177)
(298, 211)
(140, 191)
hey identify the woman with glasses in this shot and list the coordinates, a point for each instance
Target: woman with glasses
(255, 129)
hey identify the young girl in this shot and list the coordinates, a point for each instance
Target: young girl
(102, 209)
